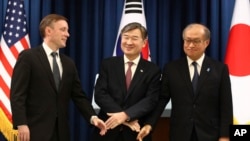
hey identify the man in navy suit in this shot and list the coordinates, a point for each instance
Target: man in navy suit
(123, 107)
(203, 114)
(39, 106)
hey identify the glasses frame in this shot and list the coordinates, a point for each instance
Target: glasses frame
(195, 42)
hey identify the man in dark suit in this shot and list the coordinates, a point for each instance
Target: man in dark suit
(202, 112)
(39, 106)
(122, 106)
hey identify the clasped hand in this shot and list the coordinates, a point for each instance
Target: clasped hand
(116, 119)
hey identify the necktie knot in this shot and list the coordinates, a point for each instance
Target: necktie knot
(130, 64)
(194, 64)
(54, 54)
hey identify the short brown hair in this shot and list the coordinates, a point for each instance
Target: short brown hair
(135, 25)
(48, 20)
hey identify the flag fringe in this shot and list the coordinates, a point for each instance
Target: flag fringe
(6, 127)
(236, 122)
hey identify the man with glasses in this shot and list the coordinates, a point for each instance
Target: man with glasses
(200, 92)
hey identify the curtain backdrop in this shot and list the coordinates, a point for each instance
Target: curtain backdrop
(94, 25)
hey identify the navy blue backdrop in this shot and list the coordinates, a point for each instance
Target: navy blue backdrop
(93, 29)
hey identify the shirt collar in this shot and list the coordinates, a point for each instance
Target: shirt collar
(48, 50)
(199, 61)
(135, 61)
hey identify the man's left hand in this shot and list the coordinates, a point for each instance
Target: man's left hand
(115, 119)
(100, 124)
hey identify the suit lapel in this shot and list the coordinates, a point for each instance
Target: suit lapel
(120, 70)
(184, 71)
(205, 69)
(64, 70)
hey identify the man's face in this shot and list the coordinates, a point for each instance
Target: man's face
(132, 43)
(58, 34)
(194, 42)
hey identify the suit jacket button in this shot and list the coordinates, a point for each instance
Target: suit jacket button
(194, 105)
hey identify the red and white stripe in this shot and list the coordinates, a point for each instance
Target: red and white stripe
(8, 57)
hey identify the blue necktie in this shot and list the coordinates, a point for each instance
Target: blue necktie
(56, 71)
(195, 77)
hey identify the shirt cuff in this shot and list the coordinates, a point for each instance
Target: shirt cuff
(92, 118)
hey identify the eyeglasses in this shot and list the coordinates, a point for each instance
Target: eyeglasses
(195, 42)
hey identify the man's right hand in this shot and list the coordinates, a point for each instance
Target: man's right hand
(23, 133)
(133, 125)
(145, 130)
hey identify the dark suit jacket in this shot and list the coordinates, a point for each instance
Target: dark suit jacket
(209, 111)
(111, 94)
(35, 100)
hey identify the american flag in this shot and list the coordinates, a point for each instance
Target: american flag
(14, 39)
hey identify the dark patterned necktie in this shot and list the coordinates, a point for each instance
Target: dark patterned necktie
(129, 74)
(195, 77)
(56, 71)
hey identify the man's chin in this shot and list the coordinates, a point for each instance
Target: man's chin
(63, 46)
